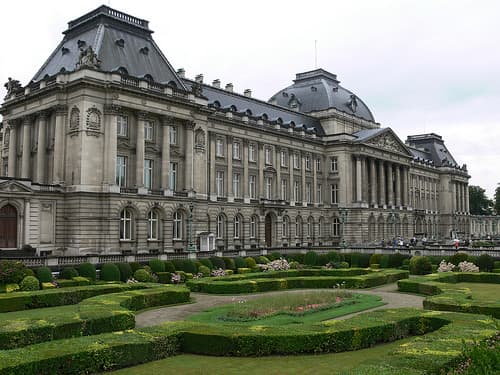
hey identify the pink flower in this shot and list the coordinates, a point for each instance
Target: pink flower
(338, 299)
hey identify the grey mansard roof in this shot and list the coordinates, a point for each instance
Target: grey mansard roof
(118, 39)
(431, 147)
(319, 90)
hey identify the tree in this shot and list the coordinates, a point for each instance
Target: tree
(479, 204)
(497, 199)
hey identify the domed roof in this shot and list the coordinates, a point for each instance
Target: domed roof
(318, 90)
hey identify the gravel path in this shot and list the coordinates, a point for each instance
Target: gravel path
(204, 301)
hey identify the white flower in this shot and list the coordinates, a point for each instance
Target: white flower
(277, 265)
(445, 267)
(468, 267)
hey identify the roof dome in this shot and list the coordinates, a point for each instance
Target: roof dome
(318, 90)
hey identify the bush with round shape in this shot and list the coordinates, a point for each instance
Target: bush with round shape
(355, 260)
(485, 263)
(44, 274)
(11, 272)
(204, 270)
(343, 265)
(207, 263)
(125, 271)
(323, 260)
(189, 266)
(396, 260)
(251, 263)
(294, 265)
(30, 283)
(68, 273)
(229, 263)
(347, 258)
(420, 265)
(364, 260)
(135, 266)
(274, 255)
(28, 272)
(384, 261)
(239, 262)
(217, 262)
(297, 257)
(177, 264)
(142, 275)
(110, 272)
(375, 259)
(87, 270)
(169, 266)
(335, 257)
(458, 257)
(157, 265)
(311, 258)
(262, 259)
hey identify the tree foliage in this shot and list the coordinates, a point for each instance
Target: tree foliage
(497, 199)
(479, 203)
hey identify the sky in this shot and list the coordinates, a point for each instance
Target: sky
(421, 66)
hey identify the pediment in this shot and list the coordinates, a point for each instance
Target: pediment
(14, 187)
(388, 141)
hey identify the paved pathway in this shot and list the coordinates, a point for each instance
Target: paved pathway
(204, 301)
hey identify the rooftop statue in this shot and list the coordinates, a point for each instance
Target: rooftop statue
(12, 85)
(88, 58)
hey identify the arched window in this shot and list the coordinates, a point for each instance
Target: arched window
(220, 227)
(285, 226)
(153, 225)
(320, 227)
(298, 227)
(178, 227)
(254, 224)
(237, 226)
(126, 224)
(310, 227)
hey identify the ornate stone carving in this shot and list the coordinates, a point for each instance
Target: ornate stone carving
(197, 89)
(199, 140)
(112, 109)
(88, 59)
(93, 119)
(142, 115)
(387, 142)
(12, 186)
(12, 86)
(74, 119)
(61, 109)
(352, 103)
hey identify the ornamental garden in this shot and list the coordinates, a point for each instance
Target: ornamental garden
(293, 314)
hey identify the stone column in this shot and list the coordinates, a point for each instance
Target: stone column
(26, 147)
(373, 182)
(464, 193)
(467, 209)
(165, 156)
(111, 143)
(359, 190)
(364, 183)
(290, 176)
(11, 172)
(315, 181)
(454, 197)
(277, 165)
(61, 113)
(230, 192)
(246, 195)
(381, 172)
(42, 145)
(398, 187)
(303, 180)
(390, 186)
(213, 188)
(139, 150)
(404, 196)
(189, 143)
(260, 193)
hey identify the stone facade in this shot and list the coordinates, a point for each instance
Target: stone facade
(96, 160)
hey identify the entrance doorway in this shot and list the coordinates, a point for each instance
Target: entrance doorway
(8, 227)
(269, 230)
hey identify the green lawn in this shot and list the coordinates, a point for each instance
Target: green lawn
(483, 292)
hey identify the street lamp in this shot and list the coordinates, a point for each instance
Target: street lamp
(343, 220)
(191, 247)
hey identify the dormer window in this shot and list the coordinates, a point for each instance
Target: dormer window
(81, 43)
(122, 70)
(64, 51)
(144, 50)
(264, 117)
(149, 78)
(120, 43)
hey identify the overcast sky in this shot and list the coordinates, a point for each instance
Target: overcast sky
(421, 66)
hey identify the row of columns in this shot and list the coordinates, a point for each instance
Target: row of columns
(424, 193)
(461, 196)
(381, 183)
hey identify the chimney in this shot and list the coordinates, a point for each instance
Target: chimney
(229, 87)
(216, 83)
(247, 93)
(199, 78)
(181, 73)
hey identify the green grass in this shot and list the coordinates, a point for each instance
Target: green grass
(483, 292)
(282, 309)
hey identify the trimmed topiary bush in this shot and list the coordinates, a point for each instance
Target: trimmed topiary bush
(343, 265)
(229, 263)
(125, 271)
(485, 263)
(274, 255)
(311, 258)
(218, 262)
(396, 260)
(335, 257)
(68, 273)
(207, 263)
(323, 259)
(251, 263)
(262, 260)
(157, 265)
(169, 266)
(355, 259)
(110, 272)
(204, 270)
(458, 257)
(375, 259)
(11, 272)
(135, 266)
(87, 270)
(297, 257)
(384, 261)
(44, 274)
(420, 265)
(30, 283)
(164, 277)
(28, 272)
(142, 275)
(239, 262)
(189, 266)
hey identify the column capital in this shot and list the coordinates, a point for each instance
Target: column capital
(27, 119)
(142, 115)
(112, 109)
(189, 125)
(167, 120)
(42, 115)
(61, 109)
(14, 122)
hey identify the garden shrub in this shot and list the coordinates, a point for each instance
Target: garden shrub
(204, 270)
(157, 265)
(44, 274)
(347, 258)
(229, 272)
(375, 266)
(251, 263)
(311, 258)
(364, 260)
(243, 270)
(343, 265)
(239, 262)
(68, 273)
(49, 285)
(177, 264)
(396, 260)
(229, 263)
(262, 260)
(125, 271)
(164, 277)
(207, 263)
(420, 265)
(30, 283)
(496, 264)
(274, 255)
(142, 275)
(385, 261)
(323, 260)
(75, 281)
(110, 272)
(217, 262)
(375, 258)
(335, 257)
(11, 272)
(28, 272)
(485, 263)
(459, 257)
(135, 266)
(169, 266)
(189, 266)
(87, 270)
(297, 257)
(355, 260)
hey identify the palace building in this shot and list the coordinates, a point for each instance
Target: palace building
(110, 150)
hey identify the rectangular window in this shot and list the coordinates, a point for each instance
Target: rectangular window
(173, 176)
(268, 155)
(269, 187)
(219, 180)
(173, 135)
(148, 174)
(236, 185)
(308, 193)
(333, 164)
(122, 126)
(296, 161)
(296, 191)
(253, 227)
(236, 151)
(308, 163)
(121, 171)
(284, 189)
(319, 193)
(149, 131)
(334, 193)
(283, 158)
(219, 147)
(252, 186)
(318, 164)
(251, 152)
